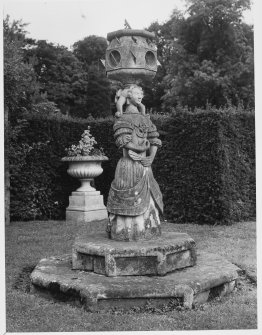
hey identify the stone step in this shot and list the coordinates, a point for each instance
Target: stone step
(212, 273)
(98, 253)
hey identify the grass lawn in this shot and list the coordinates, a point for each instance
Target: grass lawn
(28, 242)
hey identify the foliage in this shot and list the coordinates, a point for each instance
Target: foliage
(45, 108)
(22, 98)
(98, 94)
(60, 73)
(90, 49)
(155, 91)
(210, 158)
(207, 55)
(70, 81)
(205, 169)
(34, 197)
(207, 59)
(22, 90)
(41, 187)
(20, 84)
(85, 147)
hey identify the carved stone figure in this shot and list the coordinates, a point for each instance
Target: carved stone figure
(134, 200)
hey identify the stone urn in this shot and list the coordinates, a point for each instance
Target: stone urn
(86, 203)
(85, 168)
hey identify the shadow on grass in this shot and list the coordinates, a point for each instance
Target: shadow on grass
(23, 282)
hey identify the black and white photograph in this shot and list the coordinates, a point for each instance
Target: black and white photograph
(130, 155)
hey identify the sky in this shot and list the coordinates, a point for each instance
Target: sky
(66, 22)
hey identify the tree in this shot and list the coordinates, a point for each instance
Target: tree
(20, 84)
(90, 49)
(60, 73)
(155, 90)
(21, 96)
(209, 58)
(98, 93)
(67, 77)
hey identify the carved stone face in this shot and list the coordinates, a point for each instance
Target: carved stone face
(135, 96)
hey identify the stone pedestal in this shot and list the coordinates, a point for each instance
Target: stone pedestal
(86, 203)
(96, 275)
(86, 207)
(111, 258)
(211, 276)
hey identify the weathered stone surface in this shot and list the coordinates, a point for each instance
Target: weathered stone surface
(86, 201)
(131, 55)
(85, 167)
(101, 255)
(210, 273)
(85, 204)
(201, 297)
(86, 216)
(86, 207)
(134, 200)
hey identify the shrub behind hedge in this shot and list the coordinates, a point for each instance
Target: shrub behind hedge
(205, 169)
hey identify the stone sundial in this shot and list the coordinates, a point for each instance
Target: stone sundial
(131, 256)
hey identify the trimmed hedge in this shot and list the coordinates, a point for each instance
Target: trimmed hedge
(205, 169)
(207, 166)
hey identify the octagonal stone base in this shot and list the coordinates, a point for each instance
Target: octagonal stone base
(212, 275)
(158, 256)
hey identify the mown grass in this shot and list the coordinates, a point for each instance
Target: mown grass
(28, 242)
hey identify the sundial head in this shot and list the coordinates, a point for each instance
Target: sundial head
(131, 56)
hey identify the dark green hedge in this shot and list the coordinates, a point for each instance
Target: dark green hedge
(205, 169)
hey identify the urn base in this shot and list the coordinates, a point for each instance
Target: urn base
(86, 207)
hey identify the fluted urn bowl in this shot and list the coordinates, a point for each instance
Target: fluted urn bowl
(85, 168)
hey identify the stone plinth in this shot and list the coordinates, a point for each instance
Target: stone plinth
(101, 255)
(212, 275)
(86, 207)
